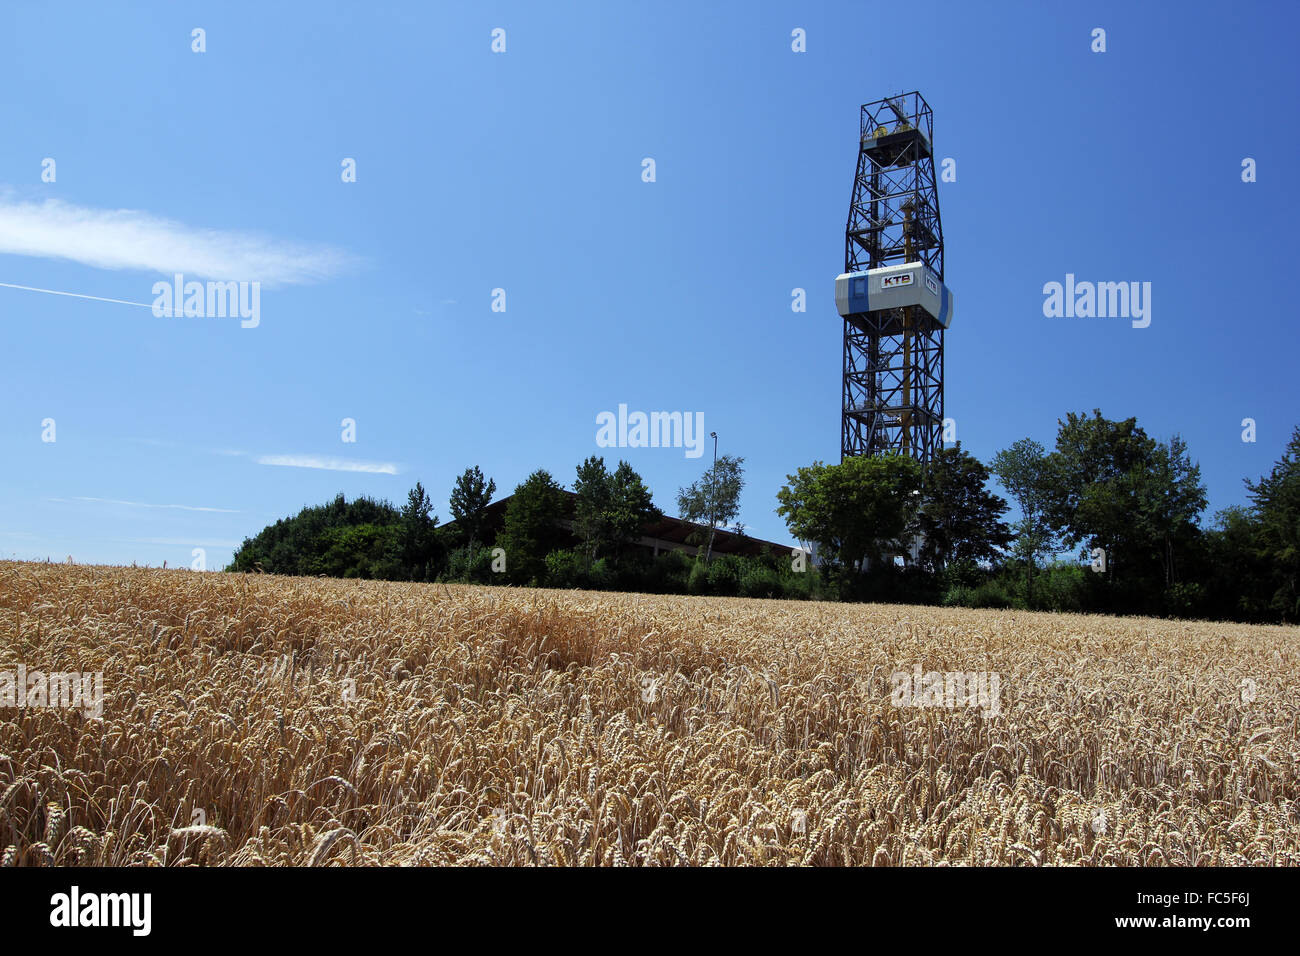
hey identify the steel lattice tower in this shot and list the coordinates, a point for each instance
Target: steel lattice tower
(893, 357)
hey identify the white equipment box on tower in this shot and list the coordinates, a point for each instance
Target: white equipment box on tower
(894, 287)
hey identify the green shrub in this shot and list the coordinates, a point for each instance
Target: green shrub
(801, 586)
(957, 596)
(668, 573)
(759, 581)
(1061, 587)
(698, 580)
(989, 594)
(724, 575)
(600, 575)
(992, 594)
(356, 551)
(1184, 599)
(472, 566)
(961, 574)
(569, 568)
(566, 569)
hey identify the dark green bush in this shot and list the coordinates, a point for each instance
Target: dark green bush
(724, 575)
(1061, 587)
(989, 594)
(667, 573)
(760, 581)
(566, 568)
(698, 580)
(472, 567)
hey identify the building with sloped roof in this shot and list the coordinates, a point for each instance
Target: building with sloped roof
(664, 534)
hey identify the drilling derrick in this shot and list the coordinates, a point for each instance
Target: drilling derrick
(891, 293)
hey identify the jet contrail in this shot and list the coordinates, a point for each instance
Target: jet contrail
(75, 295)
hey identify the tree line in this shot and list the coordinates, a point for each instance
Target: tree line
(545, 538)
(1129, 507)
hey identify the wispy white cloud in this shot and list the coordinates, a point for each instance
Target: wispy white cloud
(143, 504)
(133, 239)
(329, 464)
(319, 462)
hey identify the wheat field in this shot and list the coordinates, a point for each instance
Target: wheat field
(267, 721)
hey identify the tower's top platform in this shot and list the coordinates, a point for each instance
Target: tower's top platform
(899, 114)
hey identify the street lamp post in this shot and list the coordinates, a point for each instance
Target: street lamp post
(713, 498)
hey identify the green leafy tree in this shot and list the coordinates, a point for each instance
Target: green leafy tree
(1023, 471)
(610, 509)
(593, 496)
(857, 511)
(532, 527)
(420, 546)
(294, 545)
(357, 551)
(960, 519)
(471, 565)
(1114, 487)
(1095, 480)
(714, 500)
(469, 500)
(1236, 571)
(1171, 498)
(631, 508)
(1276, 504)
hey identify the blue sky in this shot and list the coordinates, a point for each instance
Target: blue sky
(522, 170)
